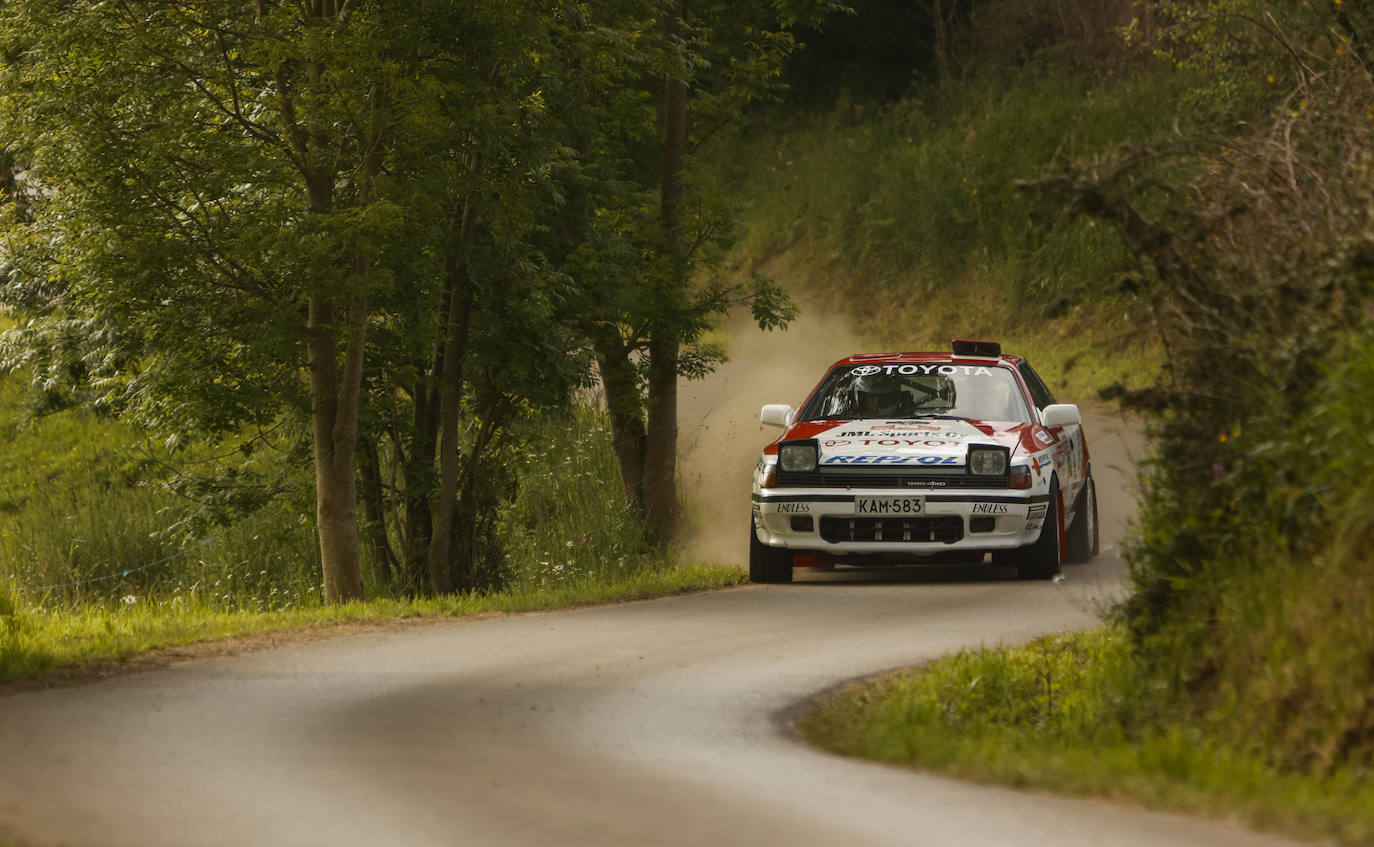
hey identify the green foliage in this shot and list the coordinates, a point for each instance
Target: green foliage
(1255, 260)
(93, 514)
(1248, 53)
(1239, 680)
(910, 215)
(1078, 713)
(924, 191)
(567, 524)
(44, 642)
(1254, 589)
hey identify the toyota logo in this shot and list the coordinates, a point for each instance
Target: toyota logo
(866, 370)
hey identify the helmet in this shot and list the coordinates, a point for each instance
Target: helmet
(877, 395)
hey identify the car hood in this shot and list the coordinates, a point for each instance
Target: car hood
(903, 442)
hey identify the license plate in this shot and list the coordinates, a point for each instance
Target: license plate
(889, 505)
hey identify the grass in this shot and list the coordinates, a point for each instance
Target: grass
(912, 217)
(37, 641)
(1067, 713)
(102, 560)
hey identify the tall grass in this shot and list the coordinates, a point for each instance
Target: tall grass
(100, 559)
(37, 639)
(568, 524)
(1078, 713)
(1240, 675)
(914, 218)
(916, 194)
(88, 518)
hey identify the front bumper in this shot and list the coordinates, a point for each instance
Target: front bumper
(829, 526)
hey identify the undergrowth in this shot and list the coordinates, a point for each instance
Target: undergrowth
(915, 217)
(1238, 676)
(110, 545)
(36, 639)
(1075, 713)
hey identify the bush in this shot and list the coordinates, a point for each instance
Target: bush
(1249, 569)
(568, 523)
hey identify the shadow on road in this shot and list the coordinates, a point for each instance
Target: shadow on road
(903, 574)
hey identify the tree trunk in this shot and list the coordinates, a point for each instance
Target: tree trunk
(417, 470)
(660, 446)
(374, 514)
(660, 449)
(465, 521)
(334, 418)
(935, 11)
(9, 188)
(626, 411)
(450, 409)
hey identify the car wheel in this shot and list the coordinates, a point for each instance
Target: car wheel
(767, 564)
(1081, 538)
(1041, 559)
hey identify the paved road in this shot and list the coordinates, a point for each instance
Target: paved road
(661, 722)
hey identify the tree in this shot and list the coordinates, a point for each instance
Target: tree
(645, 251)
(211, 188)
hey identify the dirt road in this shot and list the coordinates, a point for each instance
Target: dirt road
(661, 722)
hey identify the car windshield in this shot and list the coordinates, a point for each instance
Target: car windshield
(918, 390)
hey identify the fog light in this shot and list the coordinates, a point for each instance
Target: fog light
(803, 523)
(982, 524)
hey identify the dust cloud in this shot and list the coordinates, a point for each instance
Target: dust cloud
(720, 437)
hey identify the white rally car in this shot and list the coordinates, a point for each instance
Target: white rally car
(904, 458)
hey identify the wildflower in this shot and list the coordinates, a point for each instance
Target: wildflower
(128, 599)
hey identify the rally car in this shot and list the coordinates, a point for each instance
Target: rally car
(909, 458)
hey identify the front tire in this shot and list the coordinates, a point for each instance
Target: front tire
(1041, 559)
(1082, 537)
(767, 564)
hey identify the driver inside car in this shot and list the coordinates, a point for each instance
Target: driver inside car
(881, 395)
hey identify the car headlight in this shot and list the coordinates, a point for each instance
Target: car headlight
(987, 461)
(797, 457)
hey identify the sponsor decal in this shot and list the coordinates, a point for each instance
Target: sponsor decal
(923, 370)
(1037, 512)
(989, 508)
(892, 460)
(786, 508)
(924, 432)
(1043, 437)
(888, 442)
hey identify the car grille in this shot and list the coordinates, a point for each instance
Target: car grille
(818, 479)
(945, 528)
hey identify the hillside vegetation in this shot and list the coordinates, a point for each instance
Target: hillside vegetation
(1232, 194)
(1165, 204)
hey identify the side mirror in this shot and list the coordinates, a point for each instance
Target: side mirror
(776, 414)
(1061, 414)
